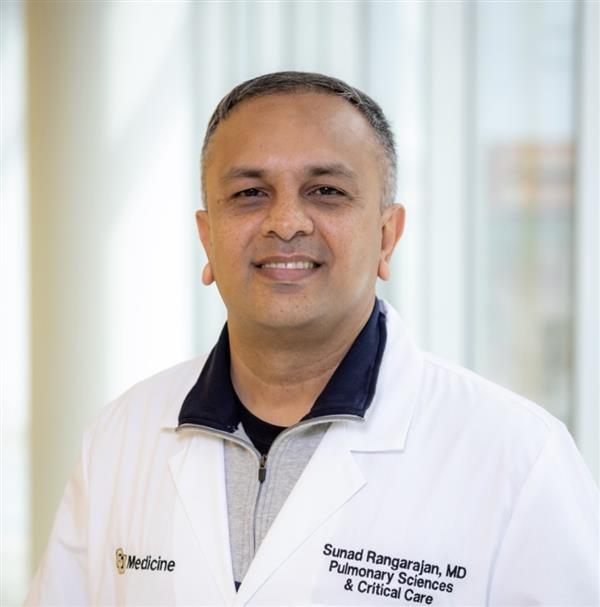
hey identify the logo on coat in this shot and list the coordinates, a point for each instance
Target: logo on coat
(121, 561)
(125, 561)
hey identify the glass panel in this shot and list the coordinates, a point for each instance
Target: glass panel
(523, 198)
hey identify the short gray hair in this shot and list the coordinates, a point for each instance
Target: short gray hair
(291, 82)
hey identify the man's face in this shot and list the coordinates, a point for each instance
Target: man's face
(293, 229)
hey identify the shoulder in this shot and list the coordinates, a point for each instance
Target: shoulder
(152, 403)
(466, 392)
(449, 401)
(463, 408)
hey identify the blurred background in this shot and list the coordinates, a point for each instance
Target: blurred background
(495, 110)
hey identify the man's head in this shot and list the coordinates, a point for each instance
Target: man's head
(294, 82)
(294, 228)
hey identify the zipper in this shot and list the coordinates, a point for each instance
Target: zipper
(262, 475)
(262, 468)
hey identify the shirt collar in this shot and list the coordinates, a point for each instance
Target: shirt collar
(212, 401)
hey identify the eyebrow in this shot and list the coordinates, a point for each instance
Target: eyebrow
(335, 170)
(319, 170)
(243, 172)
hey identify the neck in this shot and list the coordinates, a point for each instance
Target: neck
(278, 376)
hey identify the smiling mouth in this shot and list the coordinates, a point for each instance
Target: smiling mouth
(290, 265)
(286, 271)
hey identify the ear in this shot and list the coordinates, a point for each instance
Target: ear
(392, 226)
(203, 225)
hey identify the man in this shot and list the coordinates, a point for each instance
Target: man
(317, 456)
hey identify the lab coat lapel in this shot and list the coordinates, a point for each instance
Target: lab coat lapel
(333, 478)
(198, 474)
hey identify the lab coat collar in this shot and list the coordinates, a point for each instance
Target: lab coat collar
(212, 402)
(196, 467)
(387, 422)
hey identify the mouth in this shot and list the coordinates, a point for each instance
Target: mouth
(290, 265)
(287, 269)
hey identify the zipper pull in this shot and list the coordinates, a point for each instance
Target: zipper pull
(262, 469)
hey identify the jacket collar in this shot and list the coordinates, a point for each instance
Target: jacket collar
(212, 401)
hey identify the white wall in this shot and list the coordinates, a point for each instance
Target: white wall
(14, 310)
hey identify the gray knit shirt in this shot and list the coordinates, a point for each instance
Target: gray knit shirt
(253, 505)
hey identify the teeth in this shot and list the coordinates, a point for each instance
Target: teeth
(291, 265)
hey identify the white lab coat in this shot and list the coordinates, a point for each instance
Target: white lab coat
(479, 490)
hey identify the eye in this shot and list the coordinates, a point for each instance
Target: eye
(248, 193)
(326, 190)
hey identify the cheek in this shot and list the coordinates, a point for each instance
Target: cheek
(230, 242)
(356, 246)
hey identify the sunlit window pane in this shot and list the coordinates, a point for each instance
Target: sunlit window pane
(524, 203)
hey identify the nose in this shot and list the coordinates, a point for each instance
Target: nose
(287, 218)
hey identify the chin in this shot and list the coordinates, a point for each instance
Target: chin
(287, 315)
(284, 319)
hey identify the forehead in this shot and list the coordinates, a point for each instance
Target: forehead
(284, 130)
